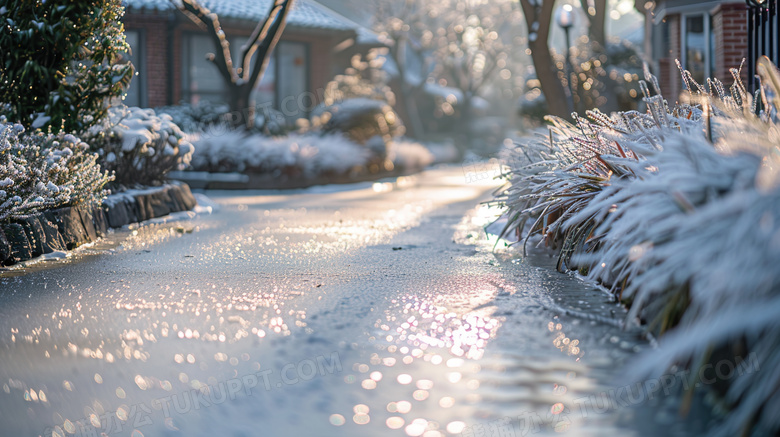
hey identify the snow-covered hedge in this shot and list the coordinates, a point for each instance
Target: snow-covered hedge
(140, 146)
(195, 118)
(308, 155)
(368, 122)
(215, 119)
(678, 211)
(42, 171)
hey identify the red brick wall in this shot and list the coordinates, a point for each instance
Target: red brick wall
(669, 74)
(729, 23)
(729, 26)
(154, 64)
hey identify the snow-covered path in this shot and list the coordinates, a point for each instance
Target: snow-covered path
(362, 310)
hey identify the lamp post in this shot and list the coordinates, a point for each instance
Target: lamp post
(566, 19)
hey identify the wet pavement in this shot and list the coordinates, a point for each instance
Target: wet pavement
(370, 309)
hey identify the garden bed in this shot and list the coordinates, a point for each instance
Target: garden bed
(69, 227)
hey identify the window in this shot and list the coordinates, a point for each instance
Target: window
(202, 80)
(698, 54)
(293, 80)
(135, 95)
(283, 85)
(660, 46)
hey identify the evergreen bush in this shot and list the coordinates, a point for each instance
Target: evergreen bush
(58, 61)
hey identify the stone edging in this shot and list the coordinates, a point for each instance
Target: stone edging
(69, 227)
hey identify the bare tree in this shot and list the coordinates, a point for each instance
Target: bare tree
(473, 44)
(538, 17)
(596, 11)
(406, 27)
(243, 78)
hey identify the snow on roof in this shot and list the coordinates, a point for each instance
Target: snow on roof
(305, 13)
(364, 34)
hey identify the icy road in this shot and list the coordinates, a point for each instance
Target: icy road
(363, 310)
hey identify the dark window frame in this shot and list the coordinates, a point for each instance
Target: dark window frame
(710, 60)
(140, 65)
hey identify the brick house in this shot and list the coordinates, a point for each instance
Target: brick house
(169, 53)
(708, 37)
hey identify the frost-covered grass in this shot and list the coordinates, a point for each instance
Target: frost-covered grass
(140, 146)
(678, 211)
(42, 171)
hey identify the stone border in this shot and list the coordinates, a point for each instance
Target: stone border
(69, 227)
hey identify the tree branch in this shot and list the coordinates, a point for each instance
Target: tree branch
(265, 39)
(210, 22)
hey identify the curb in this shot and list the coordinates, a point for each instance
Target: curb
(69, 227)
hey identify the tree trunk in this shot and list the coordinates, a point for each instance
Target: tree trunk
(538, 20)
(552, 88)
(242, 111)
(463, 144)
(410, 94)
(406, 107)
(597, 17)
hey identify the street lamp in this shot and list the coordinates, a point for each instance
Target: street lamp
(566, 19)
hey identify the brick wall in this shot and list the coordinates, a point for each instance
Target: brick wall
(669, 74)
(154, 56)
(729, 27)
(729, 23)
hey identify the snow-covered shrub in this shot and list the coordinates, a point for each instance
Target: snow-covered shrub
(306, 155)
(410, 155)
(678, 210)
(60, 61)
(42, 171)
(368, 122)
(195, 118)
(140, 146)
(365, 79)
(209, 118)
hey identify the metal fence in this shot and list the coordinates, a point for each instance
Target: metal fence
(763, 38)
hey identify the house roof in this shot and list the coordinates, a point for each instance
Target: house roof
(305, 13)
(364, 35)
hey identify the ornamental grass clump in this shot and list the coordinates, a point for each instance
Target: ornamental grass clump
(677, 211)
